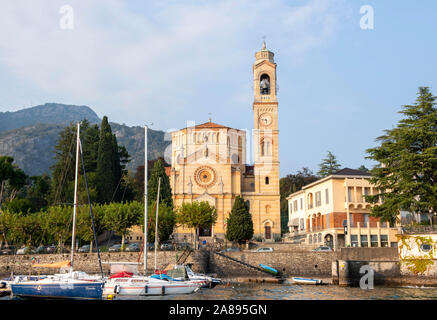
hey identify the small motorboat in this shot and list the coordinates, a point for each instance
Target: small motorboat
(269, 269)
(298, 280)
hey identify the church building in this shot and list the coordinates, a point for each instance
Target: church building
(209, 162)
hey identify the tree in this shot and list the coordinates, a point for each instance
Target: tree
(106, 171)
(58, 224)
(363, 168)
(38, 192)
(196, 215)
(6, 172)
(290, 184)
(85, 225)
(166, 222)
(406, 173)
(11, 174)
(165, 195)
(65, 156)
(329, 165)
(120, 217)
(240, 225)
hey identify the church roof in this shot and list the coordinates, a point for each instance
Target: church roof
(210, 125)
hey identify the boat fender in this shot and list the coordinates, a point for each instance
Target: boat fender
(117, 289)
(163, 290)
(146, 289)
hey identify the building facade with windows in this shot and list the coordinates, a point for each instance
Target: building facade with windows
(336, 213)
(209, 161)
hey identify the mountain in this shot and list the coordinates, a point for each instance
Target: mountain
(30, 135)
(49, 113)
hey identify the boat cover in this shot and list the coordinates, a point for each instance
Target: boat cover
(58, 265)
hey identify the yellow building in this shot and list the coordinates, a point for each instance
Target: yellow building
(324, 210)
(209, 161)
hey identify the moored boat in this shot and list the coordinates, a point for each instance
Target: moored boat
(299, 280)
(269, 269)
(147, 286)
(71, 285)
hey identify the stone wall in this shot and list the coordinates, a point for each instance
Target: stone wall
(289, 263)
(22, 264)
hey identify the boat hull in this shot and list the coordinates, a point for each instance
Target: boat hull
(149, 288)
(269, 269)
(306, 281)
(87, 290)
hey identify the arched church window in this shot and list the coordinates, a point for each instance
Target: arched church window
(264, 84)
(267, 180)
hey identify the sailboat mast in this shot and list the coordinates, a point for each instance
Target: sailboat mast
(73, 236)
(145, 200)
(156, 220)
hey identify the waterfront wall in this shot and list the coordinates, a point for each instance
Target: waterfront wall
(388, 269)
(289, 263)
(22, 264)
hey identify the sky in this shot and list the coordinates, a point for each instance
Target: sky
(166, 62)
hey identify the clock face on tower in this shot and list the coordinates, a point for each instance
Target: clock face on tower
(265, 119)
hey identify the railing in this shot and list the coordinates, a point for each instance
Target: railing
(420, 229)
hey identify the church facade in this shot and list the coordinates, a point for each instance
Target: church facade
(209, 162)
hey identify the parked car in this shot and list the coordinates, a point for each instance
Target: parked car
(40, 249)
(52, 249)
(84, 248)
(323, 249)
(115, 248)
(183, 246)
(25, 250)
(133, 247)
(8, 250)
(264, 249)
(166, 246)
(231, 249)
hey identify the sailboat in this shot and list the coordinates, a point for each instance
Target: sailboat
(71, 285)
(127, 284)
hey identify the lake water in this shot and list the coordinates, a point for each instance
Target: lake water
(297, 292)
(302, 292)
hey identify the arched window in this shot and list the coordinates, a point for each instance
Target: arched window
(266, 147)
(310, 201)
(267, 180)
(264, 84)
(267, 209)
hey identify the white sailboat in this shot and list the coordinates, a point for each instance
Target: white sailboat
(143, 285)
(71, 285)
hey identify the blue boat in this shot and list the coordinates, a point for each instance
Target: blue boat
(269, 269)
(75, 284)
(53, 288)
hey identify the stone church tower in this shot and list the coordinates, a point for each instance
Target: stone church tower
(209, 162)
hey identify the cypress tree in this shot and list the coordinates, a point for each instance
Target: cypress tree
(240, 224)
(165, 197)
(106, 180)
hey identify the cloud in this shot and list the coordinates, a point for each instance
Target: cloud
(159, 61)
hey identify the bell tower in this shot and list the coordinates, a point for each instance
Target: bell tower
(265, 141)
